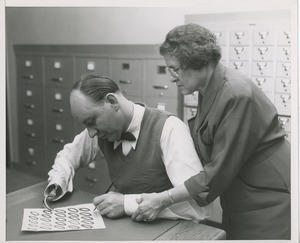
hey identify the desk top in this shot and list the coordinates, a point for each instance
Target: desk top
(116, 229)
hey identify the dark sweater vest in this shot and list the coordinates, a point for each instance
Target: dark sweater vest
(142, 170)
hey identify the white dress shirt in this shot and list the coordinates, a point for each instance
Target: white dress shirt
(178, 153)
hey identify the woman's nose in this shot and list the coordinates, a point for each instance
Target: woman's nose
(174, 79)
(92, 132)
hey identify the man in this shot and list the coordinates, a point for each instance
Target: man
(159, 155)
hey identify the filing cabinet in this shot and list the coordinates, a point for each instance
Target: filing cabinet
(45, 76)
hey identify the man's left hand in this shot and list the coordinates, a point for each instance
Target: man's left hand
(110, 204)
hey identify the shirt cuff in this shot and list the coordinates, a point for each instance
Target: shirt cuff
(130, 204)
(63, 185)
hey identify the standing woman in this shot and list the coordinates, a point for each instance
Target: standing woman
(238, 138)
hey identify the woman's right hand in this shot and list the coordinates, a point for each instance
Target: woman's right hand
(150, 205)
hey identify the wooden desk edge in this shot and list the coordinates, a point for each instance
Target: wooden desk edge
(24, 194)
(188, 230)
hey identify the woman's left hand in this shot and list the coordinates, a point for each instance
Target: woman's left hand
(149, 207)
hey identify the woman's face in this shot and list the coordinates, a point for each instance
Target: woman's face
(187, 80)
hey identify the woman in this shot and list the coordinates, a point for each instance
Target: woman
(238, 138)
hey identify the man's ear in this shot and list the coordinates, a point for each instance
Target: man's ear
(112, 99)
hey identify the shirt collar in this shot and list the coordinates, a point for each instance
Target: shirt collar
(134, 126)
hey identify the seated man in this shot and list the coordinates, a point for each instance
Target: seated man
(158, 154)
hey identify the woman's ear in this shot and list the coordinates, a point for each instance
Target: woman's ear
(112, 99)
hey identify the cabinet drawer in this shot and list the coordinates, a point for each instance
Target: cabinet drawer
(240, 66)
(86, 65)
(284, 37)
(240, 37)
(239, 53)
(59, 133)
(283, 85)
(285, 122)
(30, 99)
(283, 104)
(57, 103)
(29, 70)
(263, 53)
(59, 72)
(263, 37)
(266, 84)
(283, 69)
(221, 37)
(262, 69)
(157, 82)
(167, 104)
(128, 74)
(284, 53)
(31, 129)
(93, 178)
(32, 157)
(189, 112)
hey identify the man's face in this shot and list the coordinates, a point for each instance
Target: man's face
(101, 119)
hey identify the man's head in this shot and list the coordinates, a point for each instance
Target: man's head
(97, 103)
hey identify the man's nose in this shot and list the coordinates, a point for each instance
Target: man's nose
(92, 132)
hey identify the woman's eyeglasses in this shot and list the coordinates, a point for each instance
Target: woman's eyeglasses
(172, 71)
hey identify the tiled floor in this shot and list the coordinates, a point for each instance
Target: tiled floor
(16, 180)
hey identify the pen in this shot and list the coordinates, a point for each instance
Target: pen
(107, 190)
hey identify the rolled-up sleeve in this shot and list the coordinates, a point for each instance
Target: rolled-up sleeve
(82, 151)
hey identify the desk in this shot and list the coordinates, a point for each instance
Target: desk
(116, 229)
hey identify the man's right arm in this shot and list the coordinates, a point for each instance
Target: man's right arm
(79, 153)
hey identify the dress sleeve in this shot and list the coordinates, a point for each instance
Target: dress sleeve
(235, 133)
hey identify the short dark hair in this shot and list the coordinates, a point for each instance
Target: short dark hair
(95, 86)
(193, 45)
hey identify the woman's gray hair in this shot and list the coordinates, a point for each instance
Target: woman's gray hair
(95, 86)
(193, 45)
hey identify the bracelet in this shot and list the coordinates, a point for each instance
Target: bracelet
(170, 197)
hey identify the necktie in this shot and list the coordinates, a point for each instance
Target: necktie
(128, 136)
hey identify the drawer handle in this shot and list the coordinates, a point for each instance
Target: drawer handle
(28, 76)
(261, 65)
(90, 179)
(33, 163)
(59, 79)
(29, 106)
(283, 120)
(58, 110)
(285, 98)
(57, 140)
(30, 134)
(125, 81)
(160, 86)
(285, 82)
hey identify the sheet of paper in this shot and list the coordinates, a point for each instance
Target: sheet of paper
(76, 217)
